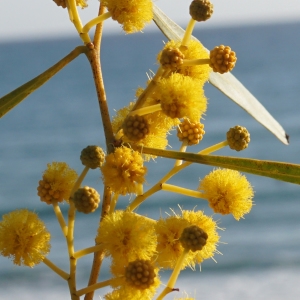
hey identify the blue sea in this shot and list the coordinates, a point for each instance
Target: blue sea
(260, 254)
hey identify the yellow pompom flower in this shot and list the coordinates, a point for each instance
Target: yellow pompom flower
(133, 15)
(24, 238)
(129, 281)
(182, 96)
(126, 236)
(123, 170)
(169, 231)
(194, 50)
(227, 191)
(57, 183)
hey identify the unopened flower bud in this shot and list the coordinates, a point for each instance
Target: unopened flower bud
(140, 274)
(222, 59)
(238, 138)
(171, 58)
(86, 199)
(135, 127)
(201, 10)
(193, 238)
(92, 157)
(190, 132)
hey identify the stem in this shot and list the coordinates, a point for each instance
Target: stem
(187, 34)
(99, 29)
(75, 19)
(173, 278)
(99, 285)
(214, 148)
(180, 190)
(145, 110)
(60, 218)
(99, 256)
(94, 59)
(195, 62)
(56, 269)
(113, 203)
(139, 199)
(87, 251)
(149, 89)
(70, 243)
(86, 28)
(183, 147)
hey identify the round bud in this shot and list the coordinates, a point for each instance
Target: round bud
(238, 138)
(192, 133)
(86, 199)
(47, 194)
(140, 274)
(201, 10)
(222, 59)
(92, 157)
(193, 238)
(135, 127)
(171, 58)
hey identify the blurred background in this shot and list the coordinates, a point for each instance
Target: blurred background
(261, 258)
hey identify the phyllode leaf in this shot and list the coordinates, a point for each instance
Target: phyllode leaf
(277, 170)
(12, 99)
(226, 82)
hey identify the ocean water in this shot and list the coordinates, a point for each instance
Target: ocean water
(260, 254)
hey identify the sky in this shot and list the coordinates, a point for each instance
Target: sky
(35, 19)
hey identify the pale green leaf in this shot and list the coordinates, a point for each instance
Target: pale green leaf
(226, 83)
(12, 99)
(278, 170)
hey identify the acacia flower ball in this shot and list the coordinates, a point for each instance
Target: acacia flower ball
(227, 191)
(57, 183)
(222, 59)
(123, 170)
(191, 133)
(24, 238)
(201, 10)
(169, 247)
(126, 236)
(133, 15)
(182, 96)
(86, 199)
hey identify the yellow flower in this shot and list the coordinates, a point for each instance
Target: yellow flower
(126, 236)
(132, 14)
(195, 50)
(169, 231)
(227, 191)
(122, 170)
(182, 96)
(131, 283)
(57, 183)
(24, 238)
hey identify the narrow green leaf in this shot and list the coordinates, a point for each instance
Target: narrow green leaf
(278, 170)
(13, 98)
(226, 83)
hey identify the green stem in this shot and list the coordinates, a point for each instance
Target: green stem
(213, 148)
(87, 251)
(86, 28)
(56, 269)
(180, 190)
(60, 218)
